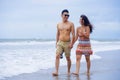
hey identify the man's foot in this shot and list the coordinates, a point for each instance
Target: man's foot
(88, 73)
(55, 74)
(68, 73)
(75, 73)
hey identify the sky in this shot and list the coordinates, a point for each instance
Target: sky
(37, 19)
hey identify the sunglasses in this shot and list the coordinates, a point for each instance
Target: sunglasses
(66, 15)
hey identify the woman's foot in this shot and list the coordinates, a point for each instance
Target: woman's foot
(75, 73)
(88, 73)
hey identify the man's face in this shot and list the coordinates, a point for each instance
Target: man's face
(65, 16)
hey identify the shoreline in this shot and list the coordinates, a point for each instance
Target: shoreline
(106, 68)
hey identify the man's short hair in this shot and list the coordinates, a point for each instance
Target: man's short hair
(65, 10)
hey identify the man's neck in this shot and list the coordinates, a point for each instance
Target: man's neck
(64, 21)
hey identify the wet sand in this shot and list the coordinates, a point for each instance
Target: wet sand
(106, 68)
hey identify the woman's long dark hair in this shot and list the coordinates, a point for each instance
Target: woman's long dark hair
(87, 22)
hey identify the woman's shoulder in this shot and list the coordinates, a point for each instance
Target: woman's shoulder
(87, 27)
(79, 27)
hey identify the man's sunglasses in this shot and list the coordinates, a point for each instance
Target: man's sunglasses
(66, 15)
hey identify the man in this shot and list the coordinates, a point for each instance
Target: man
(64, 42)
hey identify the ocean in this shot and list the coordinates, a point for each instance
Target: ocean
(28, 56)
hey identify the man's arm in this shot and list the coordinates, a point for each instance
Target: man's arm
(57, 35)
(73, 34)
(76, 36)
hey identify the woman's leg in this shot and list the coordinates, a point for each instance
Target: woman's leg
(78, 58)
(88, 63)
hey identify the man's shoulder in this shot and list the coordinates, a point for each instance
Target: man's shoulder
(59, 23)
(71, 22)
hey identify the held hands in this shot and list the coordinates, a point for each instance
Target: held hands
(70, 46)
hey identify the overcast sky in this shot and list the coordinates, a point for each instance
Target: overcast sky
(23, 19)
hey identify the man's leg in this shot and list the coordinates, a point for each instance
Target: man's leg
(57, 61)
(68, 64)
(67, 51)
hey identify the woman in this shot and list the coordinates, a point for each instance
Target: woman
(84, 46)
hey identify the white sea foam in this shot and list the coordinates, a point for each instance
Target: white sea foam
(26, 43)
(27, 57)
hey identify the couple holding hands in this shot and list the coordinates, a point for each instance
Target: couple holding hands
(65, 41)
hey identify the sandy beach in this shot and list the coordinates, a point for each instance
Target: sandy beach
(107, 68)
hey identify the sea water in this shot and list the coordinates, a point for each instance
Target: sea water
(27, 56)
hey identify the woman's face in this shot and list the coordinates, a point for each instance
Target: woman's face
(81, 21)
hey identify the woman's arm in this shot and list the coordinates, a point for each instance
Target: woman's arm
(86, 32)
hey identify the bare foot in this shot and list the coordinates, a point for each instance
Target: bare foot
(88, 73)
(75, 73)
(55, 74)
(68, 73)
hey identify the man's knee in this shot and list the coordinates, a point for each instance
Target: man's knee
(57, 56)
(68, 59)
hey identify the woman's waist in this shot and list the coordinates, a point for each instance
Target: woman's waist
(84, 41)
